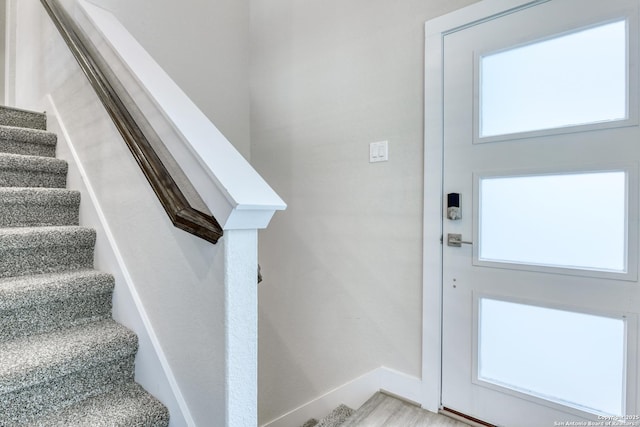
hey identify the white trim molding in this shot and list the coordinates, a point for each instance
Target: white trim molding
(353, 394)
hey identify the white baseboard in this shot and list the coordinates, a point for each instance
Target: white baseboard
(353, 394)
(152, 369)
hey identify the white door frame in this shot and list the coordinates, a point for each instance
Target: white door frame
(435, 30)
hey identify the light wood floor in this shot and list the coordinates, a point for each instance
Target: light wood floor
(385, 411)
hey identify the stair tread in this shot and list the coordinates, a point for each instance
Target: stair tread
(34, 289)
(39, 358)
(32, 163)
(38, 206)
(27, 141)
(26, 237)
(45, 249)
(40, 303)
(30, 135)
(127, 405)
(24, 118)
(41, 195)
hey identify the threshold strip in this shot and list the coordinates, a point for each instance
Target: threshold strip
(474, 422)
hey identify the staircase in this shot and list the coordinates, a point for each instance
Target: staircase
(63, 360)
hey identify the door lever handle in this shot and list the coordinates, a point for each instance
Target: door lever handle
(455, 240)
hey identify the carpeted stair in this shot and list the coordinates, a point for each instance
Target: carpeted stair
(63, 360)
(336, 418)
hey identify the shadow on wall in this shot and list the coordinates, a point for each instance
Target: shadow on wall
(268, 377)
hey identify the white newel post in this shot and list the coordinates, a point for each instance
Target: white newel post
(241, 317)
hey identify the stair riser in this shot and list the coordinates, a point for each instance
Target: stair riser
(47, 259)
(26, 148)
(33, 214)
(25, 119)
(19, 407)
(22, 178)
(53, 315)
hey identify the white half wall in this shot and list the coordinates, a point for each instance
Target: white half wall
(152, 369)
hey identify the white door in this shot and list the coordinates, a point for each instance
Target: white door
(541, 151)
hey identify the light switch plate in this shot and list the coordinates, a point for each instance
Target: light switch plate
(378, 151)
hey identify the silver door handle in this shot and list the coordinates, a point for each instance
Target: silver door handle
(455, 240)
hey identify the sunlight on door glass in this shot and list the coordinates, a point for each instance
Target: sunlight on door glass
(557, 355)
(575, 220)
(574, 79)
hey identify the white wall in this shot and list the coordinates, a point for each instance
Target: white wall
(204, 46)
(342, 293)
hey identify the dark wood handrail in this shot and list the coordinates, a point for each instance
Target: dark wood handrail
(181, 213)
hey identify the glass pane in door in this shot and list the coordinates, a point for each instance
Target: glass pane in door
(572, 358)
(572, 79)
(574, 220)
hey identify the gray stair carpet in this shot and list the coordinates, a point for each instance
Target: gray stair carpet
(335, 419)
(63, 360)
(16, 117)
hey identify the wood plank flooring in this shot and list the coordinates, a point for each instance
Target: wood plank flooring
(382, 410)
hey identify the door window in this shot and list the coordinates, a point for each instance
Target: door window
(570, 220)
(551, 354)
(569, 80)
